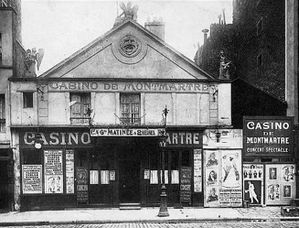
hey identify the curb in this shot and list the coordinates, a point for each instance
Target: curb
(166, 221)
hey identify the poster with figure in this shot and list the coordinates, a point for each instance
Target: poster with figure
(32, 179)
(222, 175)
(53, 171)
(280, 184)
(253, 183)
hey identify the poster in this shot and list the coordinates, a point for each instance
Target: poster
(253, 183)
(32, 179)
(82, 184)
(223, 178)
(185, 187)
(53, 171)
(69, 171)
(280, 184)
(197, 172)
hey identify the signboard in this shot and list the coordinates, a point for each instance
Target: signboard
(69, 171)
(56, 138)
(53, 171)
(270, 136)
(184, 138)
(222, 175)
(197, 172)
(253, 183)
(82, 184)
(132, 86)
(185, 187)
(280, 184)
(32, 179)
(125, 132)
(222, 138)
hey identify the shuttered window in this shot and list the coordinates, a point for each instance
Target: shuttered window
(130, 108)
(80, 103)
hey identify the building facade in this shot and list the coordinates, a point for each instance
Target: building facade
(11, 64)
(88, 131)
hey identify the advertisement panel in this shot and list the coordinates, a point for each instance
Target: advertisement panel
(253, 183)
(268, 136)
(69, 171)
(223, 180)
(32, 179)
(53, 171)
(185, 187)
(197, 172)
(280, 184)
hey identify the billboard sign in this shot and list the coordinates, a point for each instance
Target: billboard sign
(267, 136)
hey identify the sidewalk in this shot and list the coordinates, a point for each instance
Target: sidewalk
(85, 216)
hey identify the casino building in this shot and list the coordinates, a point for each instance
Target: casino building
(91, 130)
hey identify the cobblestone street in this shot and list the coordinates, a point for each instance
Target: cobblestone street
(288, 224)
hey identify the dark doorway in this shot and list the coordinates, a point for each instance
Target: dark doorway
(129, 172)
(4, 186)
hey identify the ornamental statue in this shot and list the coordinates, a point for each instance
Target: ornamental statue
(224, 68)
(129, 13)
(33, 59)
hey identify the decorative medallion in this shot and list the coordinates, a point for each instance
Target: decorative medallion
(129, 46)
(129, 49)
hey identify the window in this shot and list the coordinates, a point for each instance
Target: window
(80, 104)
(28, 99)
(259, 26)
(2, 113)
(130, 108)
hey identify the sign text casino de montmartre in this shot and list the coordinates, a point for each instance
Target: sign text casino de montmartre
(100, 86)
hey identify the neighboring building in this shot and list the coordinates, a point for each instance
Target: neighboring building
(11, 52)
(87, 131)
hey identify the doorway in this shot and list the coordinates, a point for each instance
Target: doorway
(129, 172)
(4, 186)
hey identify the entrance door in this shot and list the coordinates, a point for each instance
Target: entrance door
(129, 173)
(4, 192)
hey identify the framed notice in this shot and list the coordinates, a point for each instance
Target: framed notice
(197, 172)
(82, 184)
(280, 184)
(53, 171)
(268, 136)
(253, 183)
(32, 179)
(69, 171)
(185, 186)
(223, 179)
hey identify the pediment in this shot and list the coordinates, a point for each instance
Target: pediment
(128, 51)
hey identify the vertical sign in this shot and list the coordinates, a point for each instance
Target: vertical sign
(280, 184)
(82, 184)
(32, 179)
(223, 177)
(185, 187)
(197, 170)
(53, 171)
(253, 183)
(268, 136)
(69, 171)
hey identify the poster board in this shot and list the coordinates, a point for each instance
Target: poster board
(69, 171)
(185, 186)
(223, 179)
(197, 172)
(280, 184)
(53, 171)
(32, 179)
(253, 183)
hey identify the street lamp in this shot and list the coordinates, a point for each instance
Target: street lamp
(163, 212)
